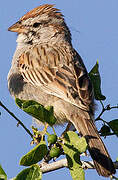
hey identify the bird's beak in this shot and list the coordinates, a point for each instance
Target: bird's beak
(17, 27)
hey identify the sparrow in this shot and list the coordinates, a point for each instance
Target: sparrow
(46, 68)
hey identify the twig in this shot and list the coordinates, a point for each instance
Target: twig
(107, 108)
(19, 122)
(102, 104)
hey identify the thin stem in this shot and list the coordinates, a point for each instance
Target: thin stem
(107, 108)
(19, 122)
(54, 131)
(102, 104)
(99, 116)
(113, 107)
(100, 119)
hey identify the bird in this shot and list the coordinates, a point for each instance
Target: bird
(46, 68)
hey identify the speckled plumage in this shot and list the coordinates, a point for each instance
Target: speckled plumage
(46, 68)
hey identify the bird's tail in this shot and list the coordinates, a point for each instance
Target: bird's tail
(102, 161)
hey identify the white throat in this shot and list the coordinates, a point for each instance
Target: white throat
(21, 40)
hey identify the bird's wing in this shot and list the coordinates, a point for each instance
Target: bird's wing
(58, 71)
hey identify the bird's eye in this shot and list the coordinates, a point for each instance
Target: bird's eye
(35, 25)
(19, 22)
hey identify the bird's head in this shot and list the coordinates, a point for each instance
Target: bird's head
(41, 24)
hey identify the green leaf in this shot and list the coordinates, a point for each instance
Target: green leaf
(37, 110)
(114, 126)
(19, 102)
(32, 173)
(96, 81)
(73, 146)
(50, 119)
(105, 130)
(3, 175)
(79, 143)
(35, 155)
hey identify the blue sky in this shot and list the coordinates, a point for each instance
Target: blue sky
(94, 28)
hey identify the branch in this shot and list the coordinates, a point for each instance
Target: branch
(45, 167)
(19, 122)
(107, 108)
